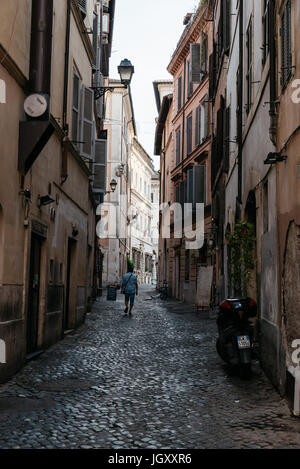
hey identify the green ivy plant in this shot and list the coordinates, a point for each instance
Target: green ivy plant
(241, 243)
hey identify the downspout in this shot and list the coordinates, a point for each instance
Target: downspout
(66, 71)
(64, 168)
(35, 132)
(41, 47)
(183, 118)
(240, 100)
(272, 42)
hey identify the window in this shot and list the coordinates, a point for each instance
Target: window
(198, 65)
(179, 93)
(152, 198)
(196, 185)
(189, 134)
(198, 126)
(100, 164)
(286, 45)
(189, 80)
(266, 30)
(204, 54)
(178, 146)
(51, 274)
(87, 122)
(75, 109)
(249, 73)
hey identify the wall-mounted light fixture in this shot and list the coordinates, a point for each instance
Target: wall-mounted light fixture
(45, 200)
(126, 70)
(275, 158)
(113, 186)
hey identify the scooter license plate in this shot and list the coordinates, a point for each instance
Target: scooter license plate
(243, 341)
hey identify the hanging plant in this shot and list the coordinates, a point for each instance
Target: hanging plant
(241, 243)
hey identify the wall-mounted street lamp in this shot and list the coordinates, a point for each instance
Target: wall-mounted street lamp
(113, 186)
(274, 158)
(45, 200)
(126, 70)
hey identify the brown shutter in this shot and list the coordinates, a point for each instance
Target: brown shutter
(87, 128)
(100, 164)
(178, 147)
(179, 93)
(195, 63)
(199, 181)
(206, 118)
(189, 134)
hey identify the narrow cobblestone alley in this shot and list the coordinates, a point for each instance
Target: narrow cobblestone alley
(150, 381)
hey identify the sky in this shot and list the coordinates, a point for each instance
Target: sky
(147, 32)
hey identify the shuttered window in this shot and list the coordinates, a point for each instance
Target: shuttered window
(95, 32)
(206, 130)
(100, 164)
(198, 126)
(75, 109)
(199, 59)
(179, 93)
(213, 71)
(82, 6)
(286, 45)
(189, 81)
(178, 146)
(196, 185)
(195, 63)
(189, 134)
(87, 126)
(204, 55)
(226, 25)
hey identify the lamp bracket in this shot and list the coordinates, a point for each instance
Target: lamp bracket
(99, 91)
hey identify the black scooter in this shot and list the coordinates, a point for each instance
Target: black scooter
(235, 341)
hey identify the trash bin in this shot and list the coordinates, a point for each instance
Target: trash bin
(111, 293)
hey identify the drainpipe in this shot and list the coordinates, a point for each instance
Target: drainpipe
(183, 118)
(240, 100)
(66, 72)
(41, 46)
(35, 132)
(272, 112)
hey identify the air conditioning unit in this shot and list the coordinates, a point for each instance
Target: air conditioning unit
(82, 7)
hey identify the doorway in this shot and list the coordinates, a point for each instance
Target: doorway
(34, 294)
(69, 275)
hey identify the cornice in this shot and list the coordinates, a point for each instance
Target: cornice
(189, 36)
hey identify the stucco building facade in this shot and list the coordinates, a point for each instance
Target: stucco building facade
(185, 147)
(47, 210)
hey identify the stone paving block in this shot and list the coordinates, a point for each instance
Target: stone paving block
(151, 381)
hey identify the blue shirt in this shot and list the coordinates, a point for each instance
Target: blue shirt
(131, 281)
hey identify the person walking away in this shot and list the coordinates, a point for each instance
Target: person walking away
(130, 288)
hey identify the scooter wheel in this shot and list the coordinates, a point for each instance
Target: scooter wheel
(219, 350)
(245, 370)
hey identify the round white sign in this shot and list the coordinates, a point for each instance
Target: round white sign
(35, 105)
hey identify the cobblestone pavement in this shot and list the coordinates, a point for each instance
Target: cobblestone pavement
(150, 381)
